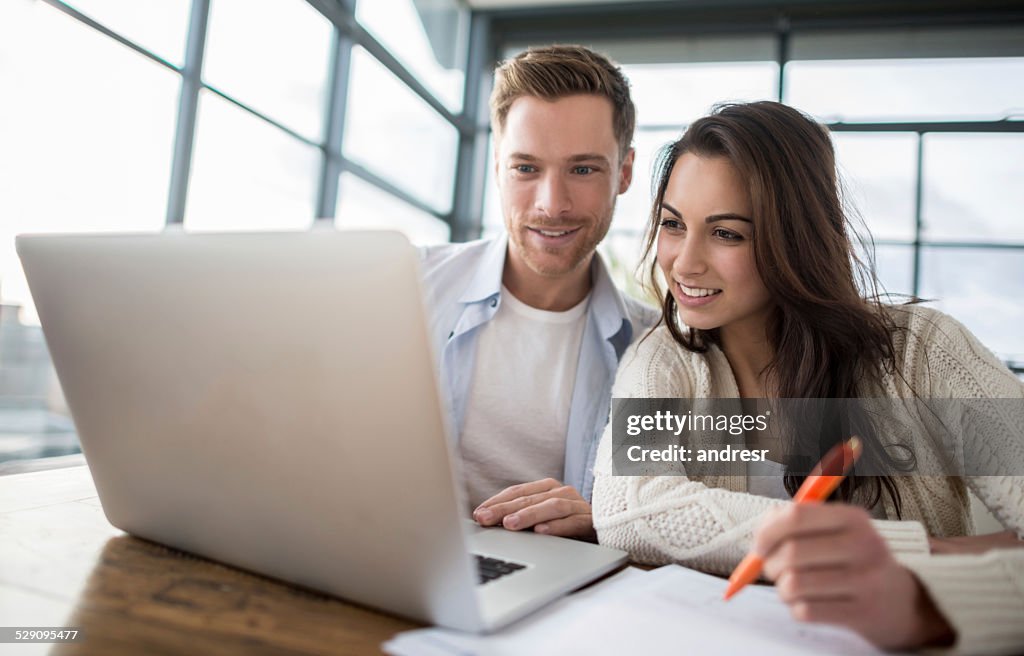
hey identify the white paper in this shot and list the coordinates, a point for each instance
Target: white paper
(670, 610)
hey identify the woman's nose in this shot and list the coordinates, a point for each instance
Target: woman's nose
(689, 260)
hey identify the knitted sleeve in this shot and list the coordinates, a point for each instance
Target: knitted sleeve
(982, 598)
(950, 363)
(662, 519)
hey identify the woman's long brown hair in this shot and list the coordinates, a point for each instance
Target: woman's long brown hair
(830, 336)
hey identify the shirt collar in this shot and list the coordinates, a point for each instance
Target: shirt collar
(606, 301)
(487, 279)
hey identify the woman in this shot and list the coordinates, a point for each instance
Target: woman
(762, 301)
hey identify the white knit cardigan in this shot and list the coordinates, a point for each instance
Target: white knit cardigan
(708, 523)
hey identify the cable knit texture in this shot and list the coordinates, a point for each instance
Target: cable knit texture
(707, 523)
(982, 597)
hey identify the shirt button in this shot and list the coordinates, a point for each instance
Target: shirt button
(494, 302)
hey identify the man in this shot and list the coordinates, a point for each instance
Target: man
(529, 326)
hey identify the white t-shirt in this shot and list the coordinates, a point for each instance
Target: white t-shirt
(517, 413)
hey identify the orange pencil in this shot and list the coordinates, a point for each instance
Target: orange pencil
(817, 487)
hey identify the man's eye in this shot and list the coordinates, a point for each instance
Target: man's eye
(525, 168)
(729, 235)
(583, 170)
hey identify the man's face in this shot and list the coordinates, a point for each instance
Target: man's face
(558, 170)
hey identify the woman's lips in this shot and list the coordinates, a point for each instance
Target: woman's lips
(695, 296)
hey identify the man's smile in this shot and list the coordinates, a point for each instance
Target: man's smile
(554, 235)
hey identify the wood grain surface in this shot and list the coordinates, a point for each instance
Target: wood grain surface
(63, 564)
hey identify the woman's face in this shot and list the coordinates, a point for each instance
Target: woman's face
(706, 249)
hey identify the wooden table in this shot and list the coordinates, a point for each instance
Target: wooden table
(63, 564)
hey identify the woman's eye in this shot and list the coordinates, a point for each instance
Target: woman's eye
(727, 234)
(671, 224)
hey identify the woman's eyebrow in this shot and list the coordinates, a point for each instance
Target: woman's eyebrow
(727, 216)
(668, 207)
(724, 216)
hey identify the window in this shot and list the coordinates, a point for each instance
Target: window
(247, 174)
(981, 287)
(894, 266)
(948, 87)
(393, 132)
(879, 172)
(105, 165)
(929, 89)
(92, 131)
(972, 189)
(157, 25)
(87, 131)
(679, 93)
(429, 38)
(279, 71)
(362, 206)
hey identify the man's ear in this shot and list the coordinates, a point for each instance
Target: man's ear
(626, 171)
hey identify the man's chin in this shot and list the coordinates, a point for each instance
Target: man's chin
(552, 262)
(551, 266)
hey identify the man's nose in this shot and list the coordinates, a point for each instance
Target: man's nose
(553, 196)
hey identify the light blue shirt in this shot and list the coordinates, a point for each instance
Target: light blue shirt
(462, 288)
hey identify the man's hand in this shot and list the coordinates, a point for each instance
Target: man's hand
(547, 506)
(830, 565)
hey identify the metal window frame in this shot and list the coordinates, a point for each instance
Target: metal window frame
(349, 34)
(346, 34)
(188, 107)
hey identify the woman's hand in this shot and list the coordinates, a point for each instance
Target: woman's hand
(830, 565)
(975, 544)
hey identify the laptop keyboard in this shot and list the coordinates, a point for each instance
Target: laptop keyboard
(490, 569)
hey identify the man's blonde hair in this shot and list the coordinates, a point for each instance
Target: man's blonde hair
(554, 72)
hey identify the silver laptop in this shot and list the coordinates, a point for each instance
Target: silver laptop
(270, 401)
